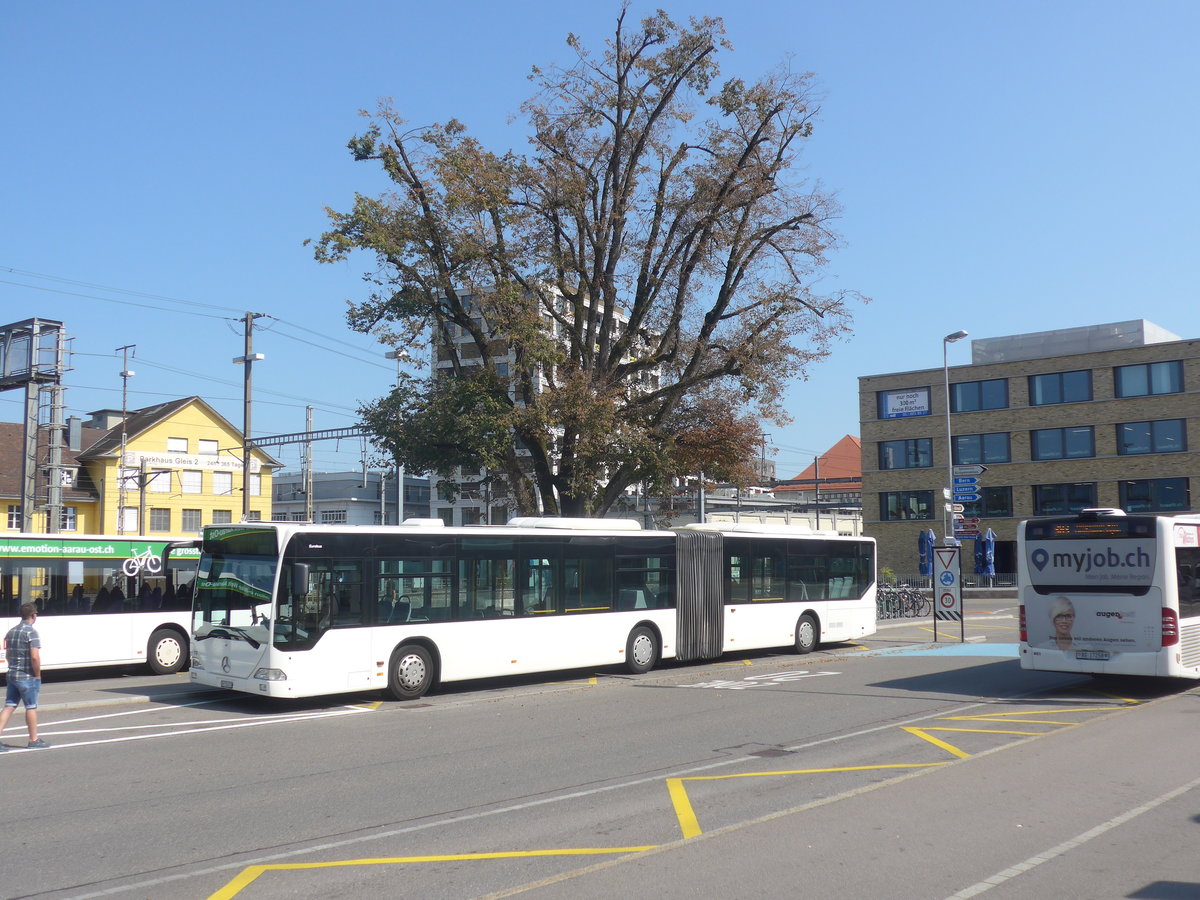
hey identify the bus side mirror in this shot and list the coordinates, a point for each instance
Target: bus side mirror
(300, 574)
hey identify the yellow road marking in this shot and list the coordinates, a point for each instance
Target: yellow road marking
(592, 680)
(949, 748)
(997, 716)
(249, 874)
(1110, 696)
(370, 705)
(742, 662)
(686, 815)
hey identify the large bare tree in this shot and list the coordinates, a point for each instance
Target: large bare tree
(644, 275)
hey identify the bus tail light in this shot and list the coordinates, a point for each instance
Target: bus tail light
(1024, 633)
(1170, 628)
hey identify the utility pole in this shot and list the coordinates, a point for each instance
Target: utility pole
(248, 360)
(126, 373)
(308, 469)
(54, 480)
(817, 490)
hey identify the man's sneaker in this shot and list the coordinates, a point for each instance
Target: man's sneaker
(39, 744)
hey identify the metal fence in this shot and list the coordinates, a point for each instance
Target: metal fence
(970, 579)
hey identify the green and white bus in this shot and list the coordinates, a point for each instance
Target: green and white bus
(297, 610)
(102, 600)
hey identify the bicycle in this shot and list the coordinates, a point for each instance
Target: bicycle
(916, 604)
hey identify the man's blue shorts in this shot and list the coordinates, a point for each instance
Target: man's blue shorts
(23, 692)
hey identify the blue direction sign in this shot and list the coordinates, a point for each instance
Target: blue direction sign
(966, 498)
(966, 480)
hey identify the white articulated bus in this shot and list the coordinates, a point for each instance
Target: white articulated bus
(294, 610)
(102, 600)
(1110, 593)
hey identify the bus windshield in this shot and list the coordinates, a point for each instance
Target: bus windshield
(234, 583)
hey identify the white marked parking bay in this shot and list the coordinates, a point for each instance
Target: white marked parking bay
(757, 681)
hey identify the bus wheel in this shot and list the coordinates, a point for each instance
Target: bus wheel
(167, 652)
(410, 674)
(641, 651)
(806, 634)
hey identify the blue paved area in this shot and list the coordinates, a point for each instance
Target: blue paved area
(1001, 651)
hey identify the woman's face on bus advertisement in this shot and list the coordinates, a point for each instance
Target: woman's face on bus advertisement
(1063, 622)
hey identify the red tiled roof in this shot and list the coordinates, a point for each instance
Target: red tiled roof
(842, 461)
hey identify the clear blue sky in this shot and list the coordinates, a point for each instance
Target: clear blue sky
(1004, 167)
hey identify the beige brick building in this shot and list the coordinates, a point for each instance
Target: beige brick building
(1061, 420)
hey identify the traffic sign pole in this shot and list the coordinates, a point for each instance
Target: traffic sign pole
(947, 588)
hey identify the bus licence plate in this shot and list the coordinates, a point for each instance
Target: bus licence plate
(1091, 654)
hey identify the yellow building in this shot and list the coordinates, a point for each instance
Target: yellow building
(182, 469)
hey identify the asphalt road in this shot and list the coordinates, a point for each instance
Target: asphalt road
(896, 767)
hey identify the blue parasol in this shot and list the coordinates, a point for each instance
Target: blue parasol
(925, 542)
(989, 553)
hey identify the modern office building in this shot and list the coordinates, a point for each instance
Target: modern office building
(1047, 423)
(349, 498)
(482, 496)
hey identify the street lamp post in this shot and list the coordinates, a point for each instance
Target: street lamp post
(947, 514)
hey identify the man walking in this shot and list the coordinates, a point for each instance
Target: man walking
(23, 650)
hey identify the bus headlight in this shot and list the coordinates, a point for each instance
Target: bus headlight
(195, 663)
(270, 675)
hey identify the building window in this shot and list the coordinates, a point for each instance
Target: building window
(190, 521)
(222, 483)
(253, 515)
(208, 448)
(903, 402)
(1162, 436)
(971, 396)
(70, 519)
(993, 503)
(160, 520)
(279, 517)
(914, 454)
(1060, 387)
(471, 515)
(191, 481)
(1149, 378)
(333, 516)
(222, 516)
(1078, 442)
(972, 449)
(177, 445)
(298, 517)
(901, 505)
(128, 478)
(446, 515)
(1060, 499)
(129, 520)
(14, 517)
(1155, 495)
(159, 481)
(255, 484)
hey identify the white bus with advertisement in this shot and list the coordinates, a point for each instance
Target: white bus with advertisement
(102, 600)
(1108, 593)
